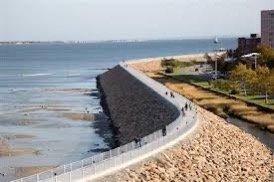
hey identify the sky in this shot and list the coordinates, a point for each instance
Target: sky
(95, 20)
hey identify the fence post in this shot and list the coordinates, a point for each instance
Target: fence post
(82, 169)
(115, 160)
(52, 175)
(70, 172)
(94, 169)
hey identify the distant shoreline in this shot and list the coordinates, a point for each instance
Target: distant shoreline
(22, 42)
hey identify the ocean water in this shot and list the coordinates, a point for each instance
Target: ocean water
(46, 88)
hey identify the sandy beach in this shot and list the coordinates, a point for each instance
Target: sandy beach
(154, 64)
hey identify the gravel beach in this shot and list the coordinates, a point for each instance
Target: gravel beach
(217, 151)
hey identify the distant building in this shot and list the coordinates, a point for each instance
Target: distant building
(248, 45)
(267, 27)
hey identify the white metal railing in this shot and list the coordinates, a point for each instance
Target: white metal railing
(79, 170)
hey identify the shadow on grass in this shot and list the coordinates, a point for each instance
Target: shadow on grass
(190, 78)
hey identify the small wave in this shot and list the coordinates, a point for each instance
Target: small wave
(73, 75)
(14, 90)
(98, 69)
(36, 75)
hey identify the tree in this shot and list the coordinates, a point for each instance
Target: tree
(272, 82)
(267, 55)
(243, 76)
(264, 80)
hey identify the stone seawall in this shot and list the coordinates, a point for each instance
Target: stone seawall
(135, 110)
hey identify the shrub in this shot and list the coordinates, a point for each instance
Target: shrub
(169, 70)
(175, 63)
(234, 92)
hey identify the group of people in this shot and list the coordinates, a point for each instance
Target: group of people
(186, 107)
(171, 94)
(138, 142)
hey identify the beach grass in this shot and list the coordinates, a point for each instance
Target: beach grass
(218, 104)
(205, 83)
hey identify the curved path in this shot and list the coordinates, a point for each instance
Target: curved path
(186, 124)
(124, 156)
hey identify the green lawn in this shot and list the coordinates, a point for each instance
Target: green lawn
(202, 82)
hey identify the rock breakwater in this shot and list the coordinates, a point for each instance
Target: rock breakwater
(134, 109)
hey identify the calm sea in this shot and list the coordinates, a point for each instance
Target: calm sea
(44, 89)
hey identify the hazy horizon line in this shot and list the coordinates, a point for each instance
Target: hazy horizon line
(133, 39)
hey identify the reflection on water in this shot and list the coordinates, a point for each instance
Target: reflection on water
(263, 136)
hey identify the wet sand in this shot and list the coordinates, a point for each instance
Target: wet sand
(34, 135)
(27, 171)
(7, 150)
(79, 116)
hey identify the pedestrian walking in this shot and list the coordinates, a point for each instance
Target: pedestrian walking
(186, 106)
(136, 142)
(164, 131)
(140, 142)
(183, 111)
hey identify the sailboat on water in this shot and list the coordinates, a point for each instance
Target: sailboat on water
(216, 40)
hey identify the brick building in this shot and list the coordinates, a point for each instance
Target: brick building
(248, 45)
(267, 27)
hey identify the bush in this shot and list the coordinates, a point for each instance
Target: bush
(168, 63)
(169, 70)
(234, 92)
(175, 63)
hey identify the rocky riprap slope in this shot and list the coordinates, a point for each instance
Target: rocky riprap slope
(134, 109)
(217, 151)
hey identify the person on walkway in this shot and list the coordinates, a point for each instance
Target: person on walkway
(183, 111)
(164, 131)
(186, 106)
(140, 142)
(136, 142)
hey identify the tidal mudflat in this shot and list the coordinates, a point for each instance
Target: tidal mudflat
(54, 127)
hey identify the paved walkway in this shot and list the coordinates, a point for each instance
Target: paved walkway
(178, 101)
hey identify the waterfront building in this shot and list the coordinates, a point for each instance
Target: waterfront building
(267, 27)
(248, 45)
